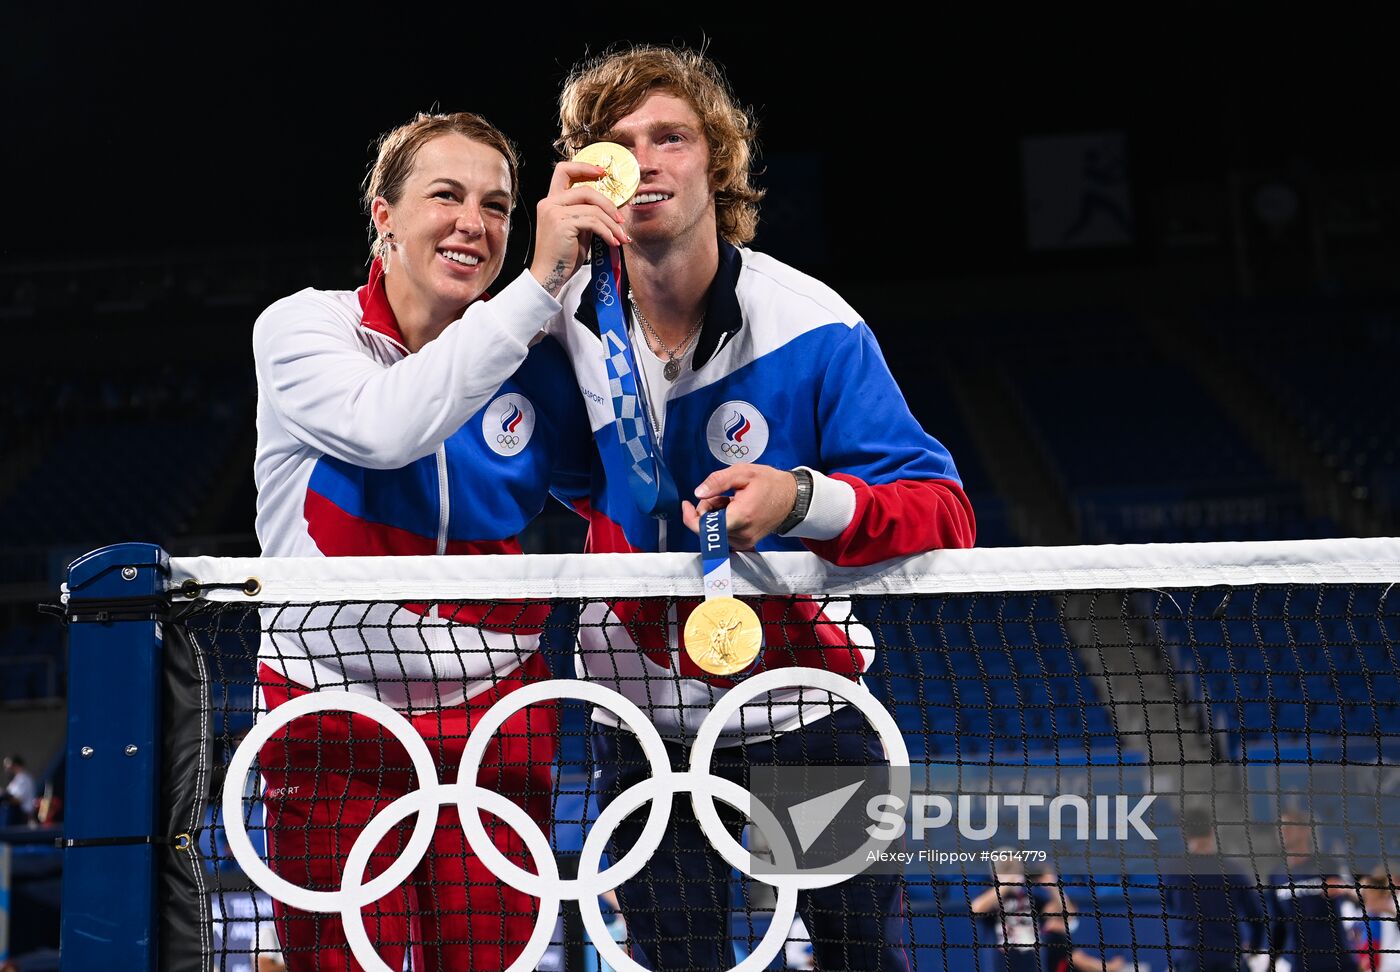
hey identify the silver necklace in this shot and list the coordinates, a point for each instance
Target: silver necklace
(645, 389)
(672, 371)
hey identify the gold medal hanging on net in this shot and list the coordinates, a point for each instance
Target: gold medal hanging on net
(723, 636)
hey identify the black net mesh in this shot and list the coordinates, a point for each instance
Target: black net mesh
(1184, 778)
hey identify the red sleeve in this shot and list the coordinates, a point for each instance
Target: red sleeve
(899, 519)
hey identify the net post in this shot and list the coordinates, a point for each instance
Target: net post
(114, 606)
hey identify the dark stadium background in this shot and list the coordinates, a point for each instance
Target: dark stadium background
(1223, 371)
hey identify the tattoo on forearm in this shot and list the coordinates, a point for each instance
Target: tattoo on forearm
(555, 281)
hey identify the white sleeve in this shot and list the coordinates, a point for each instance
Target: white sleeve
(832, 509)
(25, 791)
(338, 400)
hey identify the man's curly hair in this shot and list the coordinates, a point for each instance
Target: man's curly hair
(602, 91)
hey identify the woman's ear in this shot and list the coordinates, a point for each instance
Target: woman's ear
(379, 212)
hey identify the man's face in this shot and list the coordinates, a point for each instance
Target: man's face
(1202, 844)
(675, 199)
(1297, 839)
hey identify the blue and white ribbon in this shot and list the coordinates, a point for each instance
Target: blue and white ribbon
(649, 480)
(714, 555)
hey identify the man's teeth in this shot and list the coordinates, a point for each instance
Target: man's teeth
(649, 197)
(466, 259)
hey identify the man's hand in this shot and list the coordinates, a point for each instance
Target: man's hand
(763, 497)
(565, 222)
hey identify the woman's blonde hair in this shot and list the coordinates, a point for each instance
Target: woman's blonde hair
(398, 149)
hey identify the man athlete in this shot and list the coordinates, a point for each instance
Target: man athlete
(761, 382)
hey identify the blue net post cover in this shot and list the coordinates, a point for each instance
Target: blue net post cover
(114, 740)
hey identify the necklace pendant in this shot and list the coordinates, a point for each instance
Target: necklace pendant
(672, 370)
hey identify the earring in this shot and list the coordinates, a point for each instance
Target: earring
(386, 246)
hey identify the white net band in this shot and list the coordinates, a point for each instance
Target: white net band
(1113, 567)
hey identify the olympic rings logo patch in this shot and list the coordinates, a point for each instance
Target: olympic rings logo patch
(547, 885)
(736, 432)
(507, 424)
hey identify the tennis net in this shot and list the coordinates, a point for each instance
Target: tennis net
(1164, 756)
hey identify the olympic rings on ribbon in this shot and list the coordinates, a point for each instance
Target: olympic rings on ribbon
(507, 439)
(736, 450)
(470, 799)
(604, 289)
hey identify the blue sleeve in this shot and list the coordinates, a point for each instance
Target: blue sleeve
(909, 498)
(867, 430)
(572, 476)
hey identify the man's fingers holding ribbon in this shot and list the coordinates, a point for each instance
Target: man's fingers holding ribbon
(763, 497)
(691, 512)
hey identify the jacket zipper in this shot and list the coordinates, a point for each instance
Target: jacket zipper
(444, 511)
(444, 507)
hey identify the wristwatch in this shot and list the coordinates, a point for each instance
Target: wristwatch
(804, 501)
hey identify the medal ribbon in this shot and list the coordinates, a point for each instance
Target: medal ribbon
(714, 555)
(737, 625)
(648, 478)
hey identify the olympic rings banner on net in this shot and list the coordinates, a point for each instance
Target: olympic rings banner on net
(470, 799)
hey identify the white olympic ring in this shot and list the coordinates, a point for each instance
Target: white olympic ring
(718, 584)
(238, 842)
(703, 747)
(652, 746)
(731, 449)
(510, 440)
(352, 919)
(712, 786)
(470, 799)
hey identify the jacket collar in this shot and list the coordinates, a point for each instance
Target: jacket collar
(723, 318)
(375, 312)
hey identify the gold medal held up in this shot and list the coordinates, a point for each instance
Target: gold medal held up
(723, 636)
(624, 174)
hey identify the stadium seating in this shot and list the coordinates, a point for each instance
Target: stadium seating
(1272, 684)
(1329, 364)
(944, 673)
